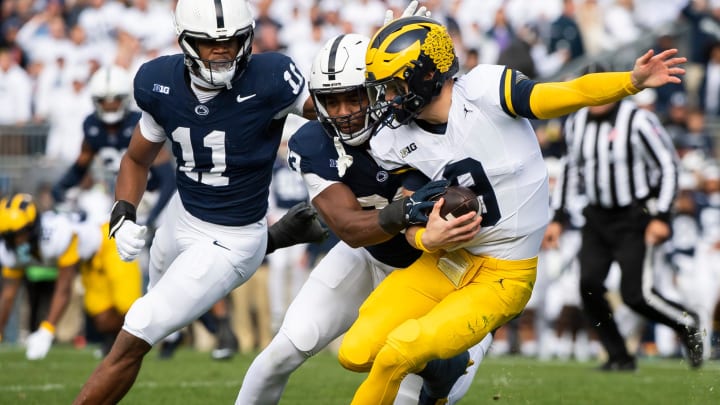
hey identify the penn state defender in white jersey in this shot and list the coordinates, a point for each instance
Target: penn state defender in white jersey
(223, 110)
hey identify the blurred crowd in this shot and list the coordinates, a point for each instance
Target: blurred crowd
(50, 48)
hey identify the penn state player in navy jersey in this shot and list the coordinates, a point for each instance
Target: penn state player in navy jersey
(223, 113)
(107, 133)
(347, 187)
(287, 268)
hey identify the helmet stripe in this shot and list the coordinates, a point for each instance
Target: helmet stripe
(333, 56)
(219, 14)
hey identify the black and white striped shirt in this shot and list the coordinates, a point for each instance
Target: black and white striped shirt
(615, 160)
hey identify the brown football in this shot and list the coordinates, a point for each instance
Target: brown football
(459, 201)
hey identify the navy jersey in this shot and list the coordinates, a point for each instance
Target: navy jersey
(224, 148)
(109, 142)
(288, 187)
(313, 151)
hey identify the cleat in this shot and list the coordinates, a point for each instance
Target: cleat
(168, 348)
(693, 343)
(227, 344)
(626, 364)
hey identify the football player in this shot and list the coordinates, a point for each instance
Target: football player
(59, 240)
(471, 131)
(106, 136)
(107, 133)
(223, 111)
(347, 187)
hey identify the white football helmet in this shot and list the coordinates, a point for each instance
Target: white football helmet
(214, 20)
(114, 84)
(340, 68)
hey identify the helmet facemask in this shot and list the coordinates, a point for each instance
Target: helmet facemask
(337, 86)
(110, 89)
(354, 128)
(207, 22)
(216, 74)
(111, 109)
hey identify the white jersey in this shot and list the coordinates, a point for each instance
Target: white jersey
(491, 152)
(56, 235)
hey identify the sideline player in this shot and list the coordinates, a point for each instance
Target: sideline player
(59, 240)
(106, 135)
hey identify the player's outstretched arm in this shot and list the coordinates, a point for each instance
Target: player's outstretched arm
(555, 99)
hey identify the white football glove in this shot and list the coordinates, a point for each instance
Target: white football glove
(38, 344)
(130, 240)
(409, 12)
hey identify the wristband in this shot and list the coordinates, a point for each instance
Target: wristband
(48, 326)
(418, 241)
(121, 211)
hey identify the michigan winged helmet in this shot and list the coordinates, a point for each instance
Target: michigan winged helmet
(407, 62)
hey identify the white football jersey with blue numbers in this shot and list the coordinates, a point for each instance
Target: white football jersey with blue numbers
(487, 149)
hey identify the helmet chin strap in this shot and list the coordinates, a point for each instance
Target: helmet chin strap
(197, 78)
(344, 160)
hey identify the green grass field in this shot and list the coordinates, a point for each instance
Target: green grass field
(193, 378)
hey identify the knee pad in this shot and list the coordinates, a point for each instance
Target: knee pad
(149, 321)
(303, 334)
(355, 356)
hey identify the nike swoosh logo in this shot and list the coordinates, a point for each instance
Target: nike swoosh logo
(216, 243)
(240, 99)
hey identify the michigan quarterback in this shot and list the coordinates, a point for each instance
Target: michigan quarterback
(471, 131)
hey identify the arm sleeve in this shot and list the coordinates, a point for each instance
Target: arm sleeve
(555, 99)
(165, 176)
(72, 177)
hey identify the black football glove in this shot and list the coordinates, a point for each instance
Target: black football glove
(412, 210)
(299, 225)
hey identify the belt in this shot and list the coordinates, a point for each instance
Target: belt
(460, 266)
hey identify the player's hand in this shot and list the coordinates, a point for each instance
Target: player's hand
(447, 233)
(410, 10)
(422, 200)
(38, 343)
(652, 70)
(299, 225)
(130, 239)
(657, 232)
(412, 210)
(551, 239)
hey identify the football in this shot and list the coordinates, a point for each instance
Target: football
(459, 200)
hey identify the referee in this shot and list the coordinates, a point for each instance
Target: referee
(623, 161)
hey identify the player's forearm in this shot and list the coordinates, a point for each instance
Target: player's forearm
(555, 99)
(131, 181)
(61, 295)
(9, 291)
(358, 229)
